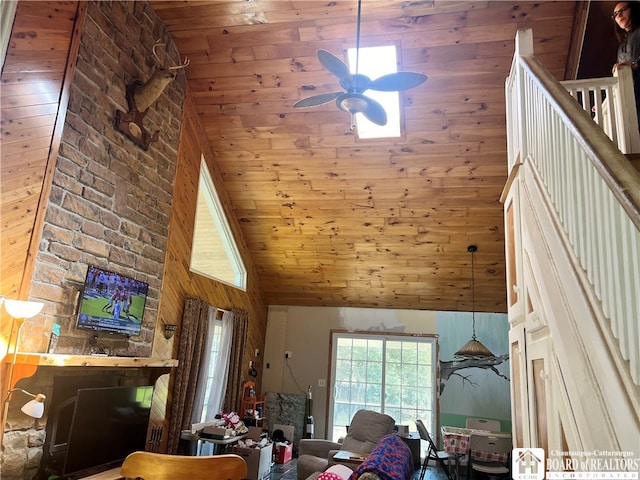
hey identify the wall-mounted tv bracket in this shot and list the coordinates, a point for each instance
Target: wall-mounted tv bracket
(95, 348)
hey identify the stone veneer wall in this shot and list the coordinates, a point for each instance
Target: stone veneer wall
(111, 201)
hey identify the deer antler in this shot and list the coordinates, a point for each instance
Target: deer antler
(155, 54)
(176, 67)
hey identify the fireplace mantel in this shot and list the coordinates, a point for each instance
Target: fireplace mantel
(60, 360)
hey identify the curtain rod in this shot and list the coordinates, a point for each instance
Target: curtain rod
(220, 312)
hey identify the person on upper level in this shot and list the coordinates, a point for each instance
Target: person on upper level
(626, 18)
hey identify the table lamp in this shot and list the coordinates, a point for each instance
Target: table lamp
(34, 408)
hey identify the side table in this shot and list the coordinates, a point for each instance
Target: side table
(349, 458)
(413, 442)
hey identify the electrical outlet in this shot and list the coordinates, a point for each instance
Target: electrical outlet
(288, 354)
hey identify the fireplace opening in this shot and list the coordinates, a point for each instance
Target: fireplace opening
(94, 422)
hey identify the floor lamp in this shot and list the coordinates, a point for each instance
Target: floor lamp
(20, 310)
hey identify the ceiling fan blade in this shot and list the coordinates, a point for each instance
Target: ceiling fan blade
(375, 112)
(333, 64)
(316, 100)
(394, 82)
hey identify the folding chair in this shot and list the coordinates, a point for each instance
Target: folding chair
(483, 424)
(432, 452)
(484, 448)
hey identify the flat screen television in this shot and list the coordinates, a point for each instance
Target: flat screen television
(107, 425)
(111, 302)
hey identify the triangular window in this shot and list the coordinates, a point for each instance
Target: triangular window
(214, 253)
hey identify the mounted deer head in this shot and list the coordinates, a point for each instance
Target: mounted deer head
(141, 96)
(144, 95)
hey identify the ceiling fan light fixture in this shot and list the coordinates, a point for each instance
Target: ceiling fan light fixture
(352, 103)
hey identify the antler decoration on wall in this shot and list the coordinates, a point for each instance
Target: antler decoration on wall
(141, 96)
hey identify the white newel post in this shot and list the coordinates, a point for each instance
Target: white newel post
(523, 47)
(628, 138)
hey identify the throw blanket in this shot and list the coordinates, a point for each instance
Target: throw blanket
(390, 459)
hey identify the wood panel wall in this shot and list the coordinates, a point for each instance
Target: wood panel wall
(179, 282)
(32, 111)
(32, 80)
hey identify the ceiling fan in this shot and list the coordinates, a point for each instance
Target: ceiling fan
(353, 100)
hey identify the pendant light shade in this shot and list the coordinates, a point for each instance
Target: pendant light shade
(473, 349)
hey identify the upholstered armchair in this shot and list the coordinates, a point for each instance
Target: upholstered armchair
(366, 430)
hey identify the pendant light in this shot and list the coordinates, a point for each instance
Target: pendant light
(473, 349)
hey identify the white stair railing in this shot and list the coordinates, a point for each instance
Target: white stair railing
(611, 104)
(592, 187)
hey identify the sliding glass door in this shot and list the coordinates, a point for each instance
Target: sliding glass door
(392, 374)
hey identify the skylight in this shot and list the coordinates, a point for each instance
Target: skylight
(214, 253)
(375, 62)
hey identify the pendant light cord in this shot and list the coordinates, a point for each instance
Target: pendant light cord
(473, 294)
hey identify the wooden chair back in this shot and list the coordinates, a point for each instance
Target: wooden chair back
(160, 466)
(483, 424)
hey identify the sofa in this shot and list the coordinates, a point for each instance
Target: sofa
(391, 459)
(366, 430)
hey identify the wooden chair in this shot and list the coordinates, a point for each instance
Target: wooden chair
(483, 424)
(483, 443)
(159, 466)
(433, 453)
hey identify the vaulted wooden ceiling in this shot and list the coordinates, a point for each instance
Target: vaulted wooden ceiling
(334, 220)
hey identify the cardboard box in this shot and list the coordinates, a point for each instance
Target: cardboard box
(258, 459)
(255, 433)
(287, 430)
(283, 452)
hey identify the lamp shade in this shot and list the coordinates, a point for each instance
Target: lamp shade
(473, 350)
(34, 408)
(22, 308)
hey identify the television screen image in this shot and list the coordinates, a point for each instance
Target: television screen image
(111, 302)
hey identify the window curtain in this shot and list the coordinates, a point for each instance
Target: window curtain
(238, 346)
(221, 368)
(191, 347)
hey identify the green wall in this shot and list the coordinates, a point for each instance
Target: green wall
(475, 391)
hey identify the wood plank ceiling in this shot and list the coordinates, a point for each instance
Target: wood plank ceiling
(334, 220)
